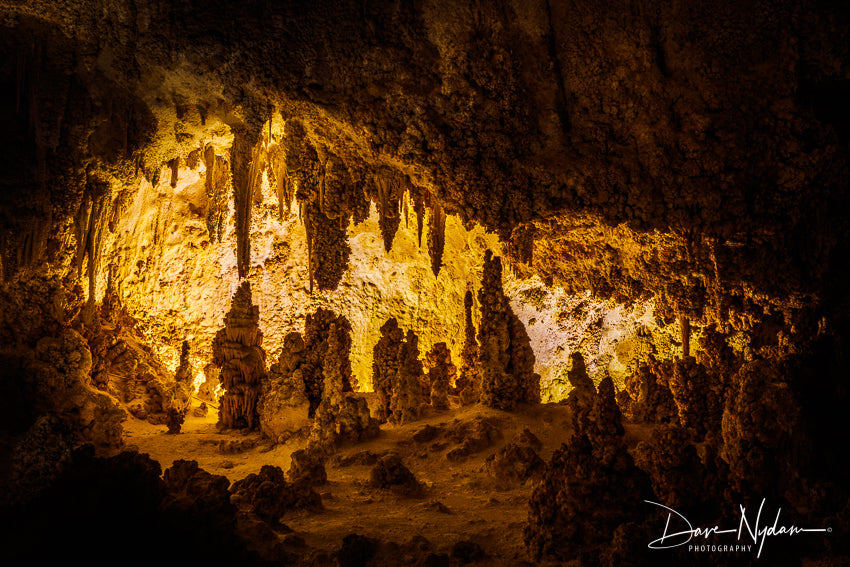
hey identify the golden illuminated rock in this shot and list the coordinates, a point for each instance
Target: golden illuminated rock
(238, 352)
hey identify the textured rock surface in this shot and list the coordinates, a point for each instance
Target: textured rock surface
(238, 352)
(409, 395)
(60, 371)
(590, 487)
(283, 407)
(441, 373)
(385, 365)
(342, 416)
(506, 360)
(468, 385)
(647, 396)
(269, 495)
(391, 473)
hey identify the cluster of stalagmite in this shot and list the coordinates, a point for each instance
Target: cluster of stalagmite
(284, 407)
(238, 352)
(342, 416)
(506, 360)
(404, 389)
(319, 355)
(591, 492)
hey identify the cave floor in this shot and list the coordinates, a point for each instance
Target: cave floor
(462, 500)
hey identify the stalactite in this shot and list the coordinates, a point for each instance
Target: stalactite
(505, 356)
(238, 352)
(246, 168)
(215, 185)
(89, 226)
(421, 198)
(328, 249)
(389, 187)
(685, 326)
(174, 164)
(436, 236)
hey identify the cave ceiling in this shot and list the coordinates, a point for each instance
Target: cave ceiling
(694, 154)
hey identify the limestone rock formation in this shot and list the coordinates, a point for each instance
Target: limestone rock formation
(468, 385)
(283, 406)
(207, 390)
(441, 373)
(391, 473)
(505, 355)
(587, 492)
(647, 396)
(408, 398)
(184, 373)
(385, 365)
(317, 337)
(583, 395)
(59, 371)
(269, 496)
(238, 352)
(515, 463)
(308, 466)
(698, 395)
(472, 436)
(342, 416)
(763, 434)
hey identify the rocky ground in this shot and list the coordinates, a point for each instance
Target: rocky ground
(462, 498)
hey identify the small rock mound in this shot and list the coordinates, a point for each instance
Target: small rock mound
(515, 463)
(473, 436)
(270, 496)
(391, 473)
(308, 466)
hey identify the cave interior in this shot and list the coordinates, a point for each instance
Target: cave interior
(438, 282)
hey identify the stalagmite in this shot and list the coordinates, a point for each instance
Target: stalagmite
(318, 329)
(468, 384)
(328, 247)
(183, 373)
(436, 236)
(592, 471)
(238, 352)
(408, 396)
(342, 416)
(385, 365)
(506, 358)
(284, 408)
(441, 373)
(581, 398)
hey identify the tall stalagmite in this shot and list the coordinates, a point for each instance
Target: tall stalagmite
(468, 385)
(408, 396)
(317, 334)
(441, 373)
(385, 365)
(237, 350)
(506, 359)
